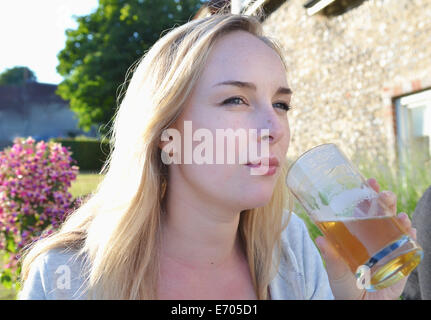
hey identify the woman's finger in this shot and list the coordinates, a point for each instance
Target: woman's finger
(414, 233)
(403, 218)
(373, 184)
(388, 201)
(406, 223)
(385, 204)
(388, 198)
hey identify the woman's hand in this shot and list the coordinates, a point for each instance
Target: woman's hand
(342, 280)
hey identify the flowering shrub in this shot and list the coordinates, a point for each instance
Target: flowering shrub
(34, 179)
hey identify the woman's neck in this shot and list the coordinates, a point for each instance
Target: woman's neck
(201, 246)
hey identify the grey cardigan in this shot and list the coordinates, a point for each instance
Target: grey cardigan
(418, 285)
(301, 274)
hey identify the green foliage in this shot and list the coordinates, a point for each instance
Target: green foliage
(408, 179)
(6, 278)
(313, 230)
(85, 184)
(17, 76)
(89, 153)
(105, 44)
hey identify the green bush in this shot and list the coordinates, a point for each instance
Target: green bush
(89, 153)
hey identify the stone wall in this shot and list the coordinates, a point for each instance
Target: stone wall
(347, 70)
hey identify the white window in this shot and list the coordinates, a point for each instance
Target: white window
(247, 7)
(314, 6)
(413, 114)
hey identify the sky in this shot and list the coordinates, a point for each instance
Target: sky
(32, 32)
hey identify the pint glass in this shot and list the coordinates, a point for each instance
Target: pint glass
(353, 217)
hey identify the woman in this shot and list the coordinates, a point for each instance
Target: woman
(193, 231)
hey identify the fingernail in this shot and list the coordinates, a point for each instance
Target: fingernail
(387, 193)
(402, 216)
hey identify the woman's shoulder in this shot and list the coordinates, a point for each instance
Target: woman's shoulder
(301, 262)
(295, 237)
(296, 230)
(55, 274)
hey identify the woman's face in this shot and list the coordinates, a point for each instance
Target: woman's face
(237, 56)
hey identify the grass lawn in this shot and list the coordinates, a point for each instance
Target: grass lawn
(84, 184)
(7, 294)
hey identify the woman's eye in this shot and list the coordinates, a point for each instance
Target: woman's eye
(238, 100)
(283, 106)
(233, 100)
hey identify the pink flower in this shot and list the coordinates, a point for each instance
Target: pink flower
(34, 182)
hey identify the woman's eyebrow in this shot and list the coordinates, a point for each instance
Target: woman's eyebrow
(249, 85)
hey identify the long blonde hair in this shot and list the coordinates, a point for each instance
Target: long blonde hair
(118, 227)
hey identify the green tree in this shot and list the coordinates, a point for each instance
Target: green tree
(105, 44)
(17, 76)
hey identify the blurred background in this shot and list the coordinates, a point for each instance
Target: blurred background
(360, 71)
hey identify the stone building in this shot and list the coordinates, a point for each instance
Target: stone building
(360, 71)
(35, 110)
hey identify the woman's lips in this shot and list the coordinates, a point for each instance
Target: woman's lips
(270, 164)
(260, 170)
(251, 165)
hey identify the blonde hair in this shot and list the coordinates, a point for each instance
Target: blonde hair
(118, 227)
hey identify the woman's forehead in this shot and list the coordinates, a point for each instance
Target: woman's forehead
(240, 56)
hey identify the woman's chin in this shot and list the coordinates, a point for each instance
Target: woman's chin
(256, 200)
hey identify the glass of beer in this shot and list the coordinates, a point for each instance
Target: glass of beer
(353, 217)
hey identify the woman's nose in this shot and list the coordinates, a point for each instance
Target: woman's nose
(272, 130)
